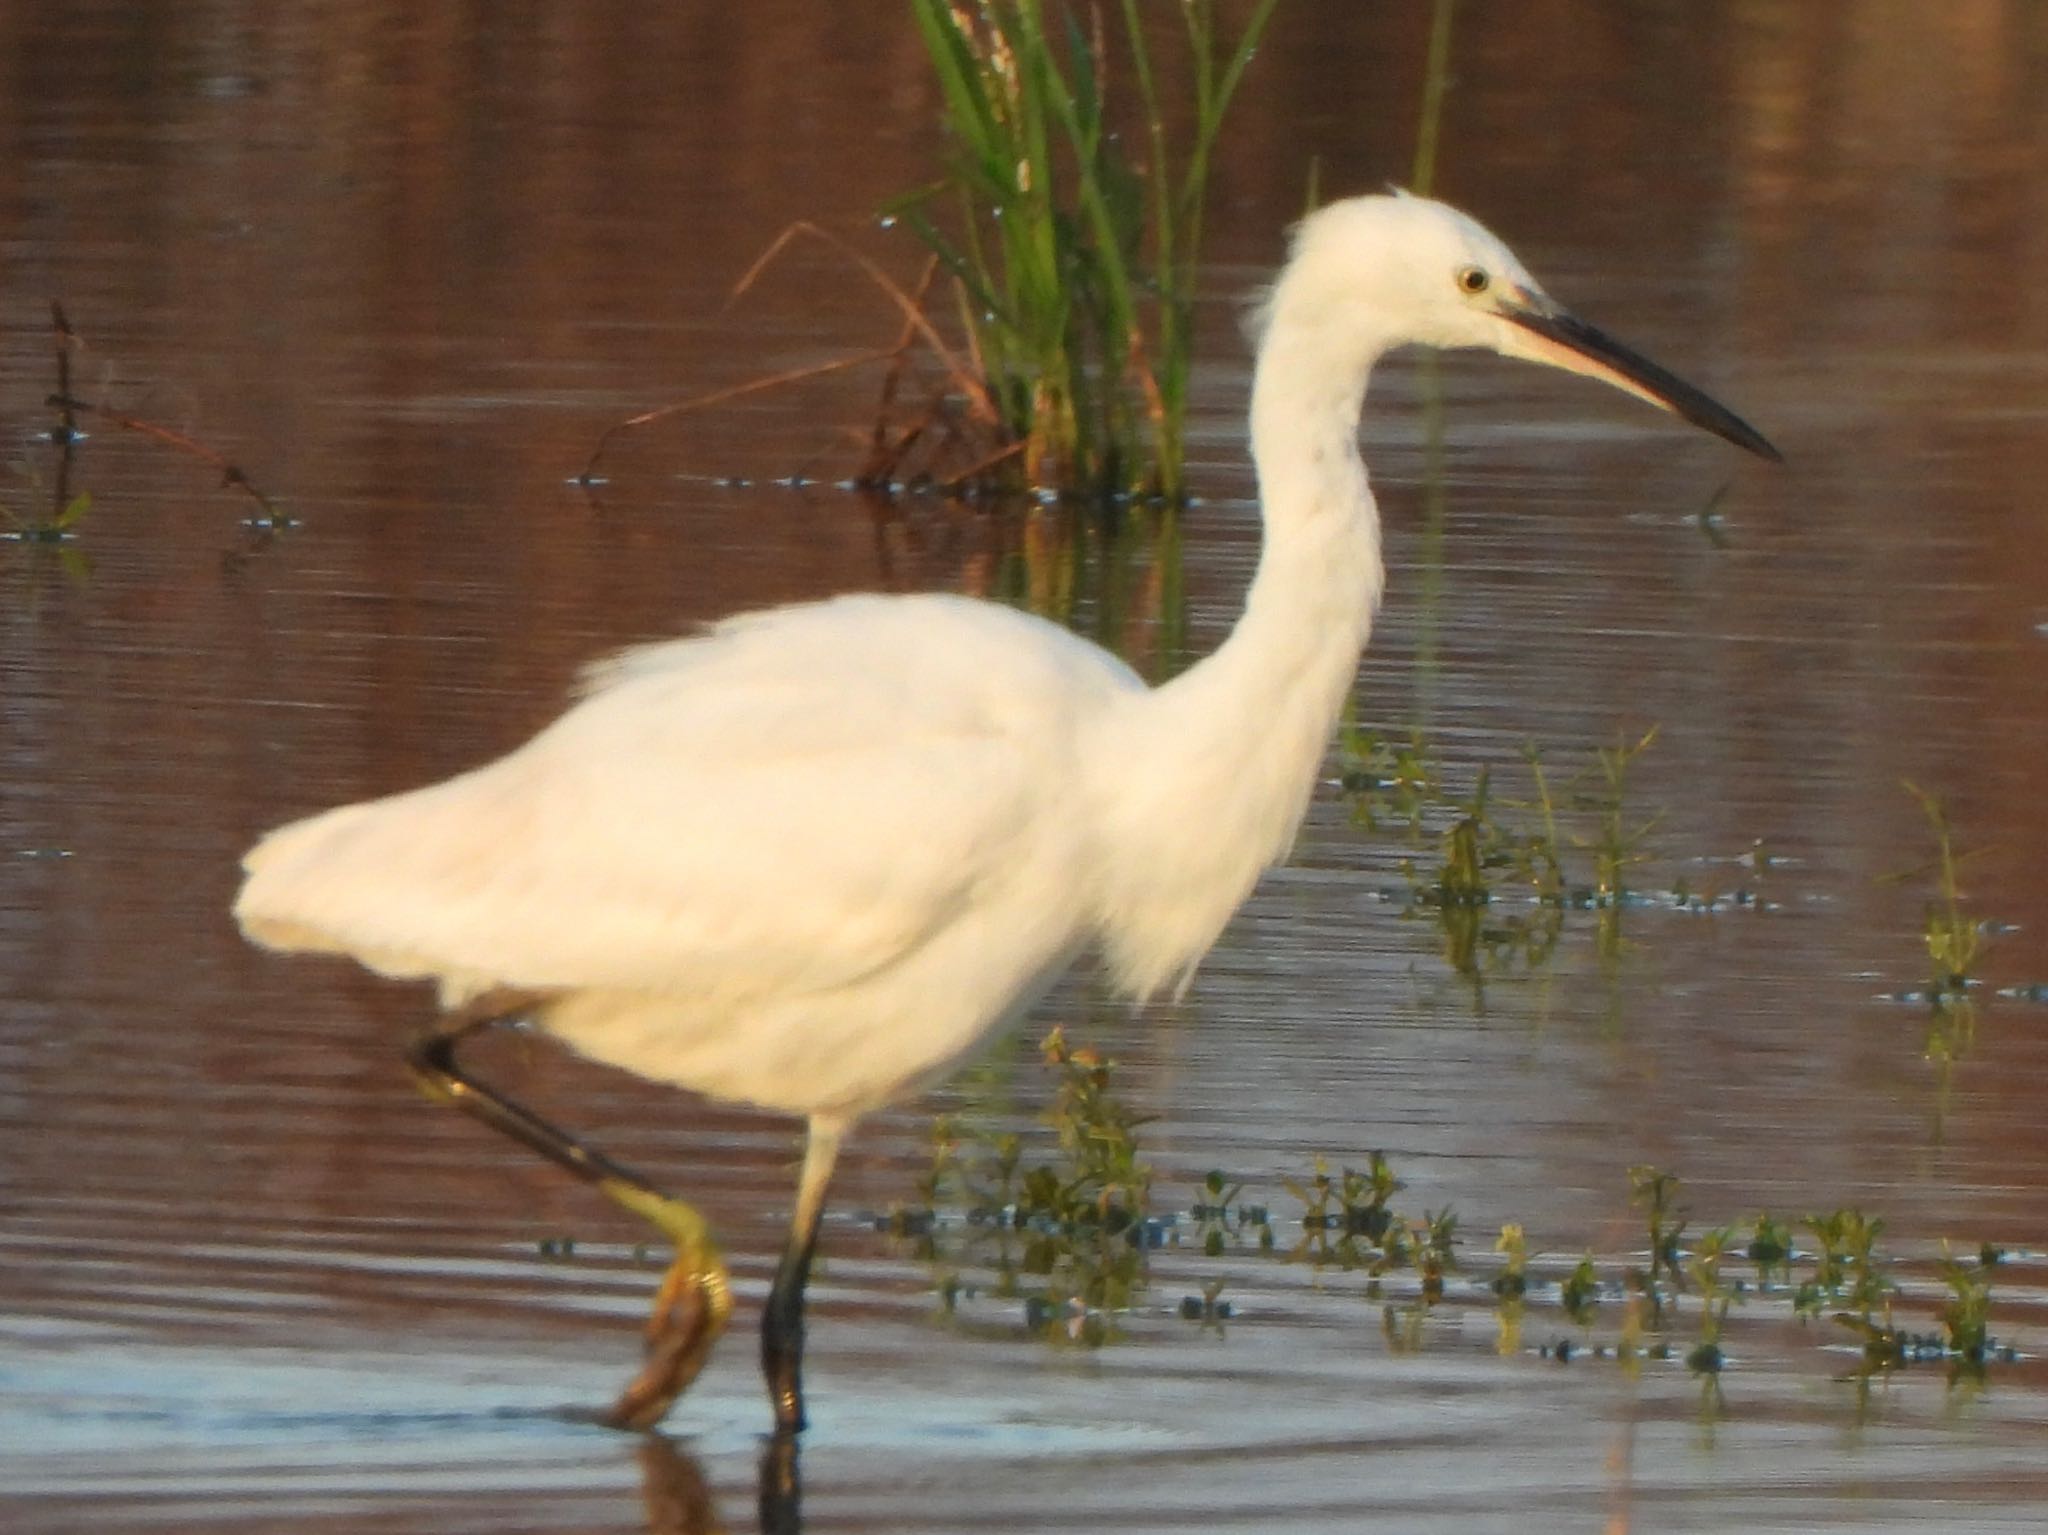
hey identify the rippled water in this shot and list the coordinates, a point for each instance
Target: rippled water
(404, 267)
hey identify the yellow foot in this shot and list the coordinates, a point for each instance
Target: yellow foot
(690, 1310)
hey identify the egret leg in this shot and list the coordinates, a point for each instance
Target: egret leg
(782, 1321)
(695, 1299)
(781, 1500)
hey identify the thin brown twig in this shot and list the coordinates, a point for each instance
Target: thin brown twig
(231, 474)
(982, 466)
(879, 457)
(718, 396)
(64, 436)
(67, 339)
(882, 454)
(886, 457)
(969, 383)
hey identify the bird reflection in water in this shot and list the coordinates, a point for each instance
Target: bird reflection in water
(679, 1501)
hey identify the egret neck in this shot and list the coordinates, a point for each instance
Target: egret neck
(1232, 746)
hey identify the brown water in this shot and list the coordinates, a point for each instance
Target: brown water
(404, 266)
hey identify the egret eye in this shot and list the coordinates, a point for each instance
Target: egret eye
(1473, 279)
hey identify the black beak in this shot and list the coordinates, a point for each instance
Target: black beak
(1574, 344)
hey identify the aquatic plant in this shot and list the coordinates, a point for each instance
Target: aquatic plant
(1050, 1232)
(1703, 1267)
(1618, 844)
(1513, 1245)
(1223, 1221)
(1511, 1285)
(1656, 1192)
(1965, 1315)
(1770, 1247)
(57, 526)
(1954, 938)
(1343, 1211)
(1074, 265)
(1497, 873)
(1580, 1292)
(1391, 784)
(67, 505)
(1208, 1308)
(1068, 1234)
(1849, 1269)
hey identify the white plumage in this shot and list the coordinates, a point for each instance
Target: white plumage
(737, 847)
(809, 859)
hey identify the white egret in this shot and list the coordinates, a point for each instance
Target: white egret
(809, 859)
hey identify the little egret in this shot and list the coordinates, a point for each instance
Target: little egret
(810, 858)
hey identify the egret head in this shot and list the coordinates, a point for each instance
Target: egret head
(1395, 269)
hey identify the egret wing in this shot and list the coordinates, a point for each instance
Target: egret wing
(720, 820)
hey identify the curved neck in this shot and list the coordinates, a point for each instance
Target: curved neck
(1228, 752)
(1288, 664)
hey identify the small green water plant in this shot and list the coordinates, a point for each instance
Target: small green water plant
(1498, 873)
(1208, 1308)
(1511, 1286)
(1845, 1238)
(1966, 1313)
(1074, 262)
(1954, 937)
(1513, 1246)
(1703, 1267)
(1580, 1292)
(1432, 1246)
(1222, 1221)
(1067, 1235)
(1850, 1271)
(1392, 783)
(1617, 846)
(60, 526)
(1770, 1248)
(1656, 1193)
(1347, 1219)
(1083, 1214)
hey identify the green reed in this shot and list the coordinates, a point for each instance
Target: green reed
(1075, 265)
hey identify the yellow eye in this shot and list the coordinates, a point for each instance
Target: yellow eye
(1473, 279)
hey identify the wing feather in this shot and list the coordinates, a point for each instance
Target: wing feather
(782, 806)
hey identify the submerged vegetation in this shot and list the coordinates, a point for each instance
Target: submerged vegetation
(52, 515)
(1072, 1242)
(1500, 874)
(1955, 939)
(1066, 1236)
(1072, 259)
(1075, 1239)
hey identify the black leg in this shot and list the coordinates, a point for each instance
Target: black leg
(695, 1298)
(431, 1058)
(782, 1320)
(782, 1490)
(782, 1331)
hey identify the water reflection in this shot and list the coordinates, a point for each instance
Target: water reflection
(678, 1499)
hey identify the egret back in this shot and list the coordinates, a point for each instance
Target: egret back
(792, 801)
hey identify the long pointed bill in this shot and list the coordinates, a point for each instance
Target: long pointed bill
(1545, 333)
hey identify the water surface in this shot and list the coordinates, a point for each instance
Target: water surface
(403, 269)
